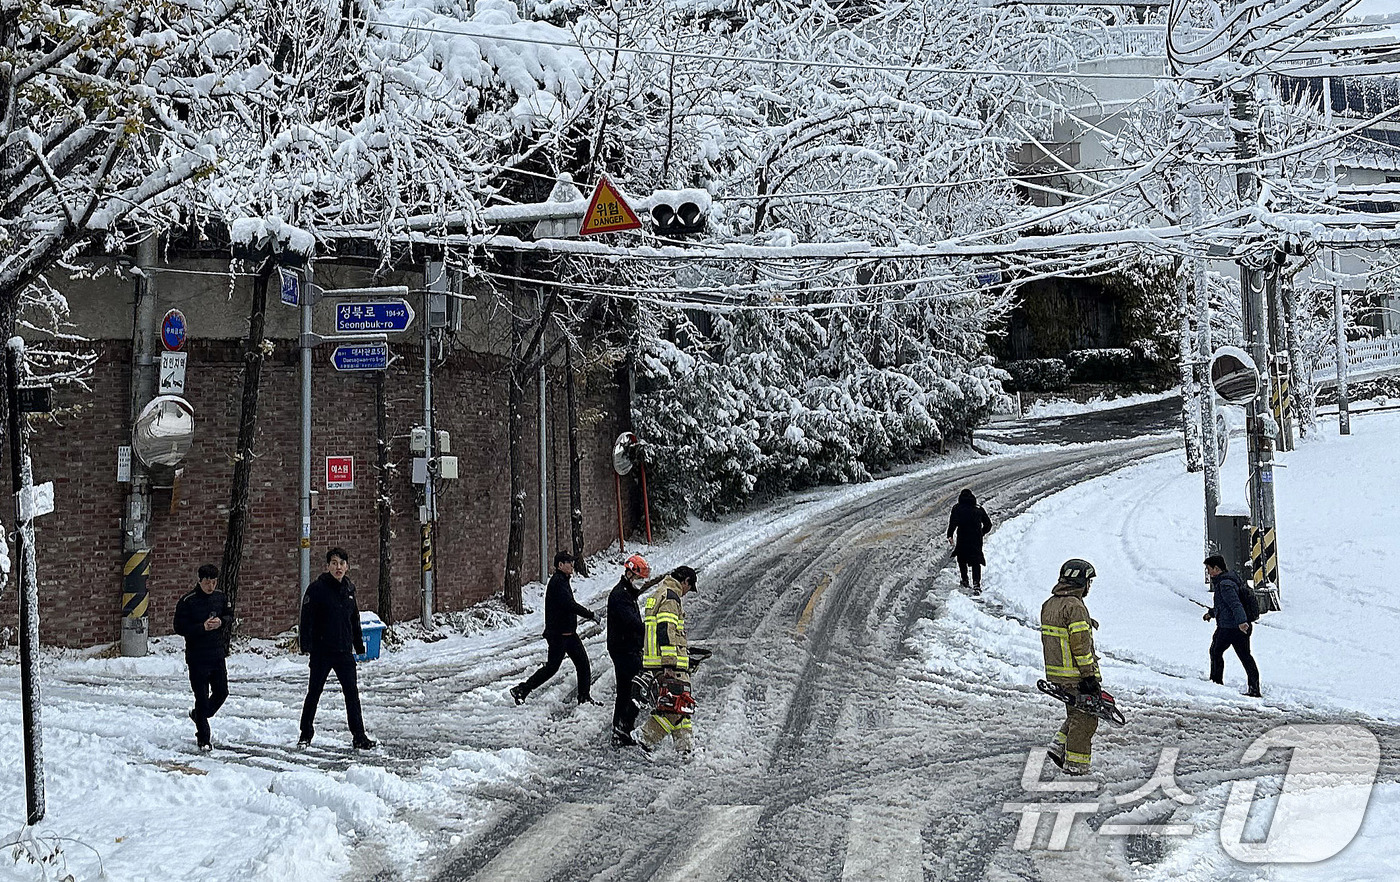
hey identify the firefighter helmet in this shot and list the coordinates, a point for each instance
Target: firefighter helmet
(638, 566)
(1077, 572)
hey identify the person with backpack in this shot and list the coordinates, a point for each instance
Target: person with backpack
(1234, 611)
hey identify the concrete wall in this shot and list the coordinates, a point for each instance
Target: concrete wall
(79, 545)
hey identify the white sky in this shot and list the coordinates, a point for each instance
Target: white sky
(1376, 7)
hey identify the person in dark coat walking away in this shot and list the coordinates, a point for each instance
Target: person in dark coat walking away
(626, 636)
(203, 618)
(561, 615)
(330, 633)
(1232, 626)
(970, 522)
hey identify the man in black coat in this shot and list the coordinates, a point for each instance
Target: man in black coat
(561, 615)
(1232, 626)
(330, 634)
(626, 634)
(969, 520)
(203, 617)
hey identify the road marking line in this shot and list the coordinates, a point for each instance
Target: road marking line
(882, 845)
(724, 831)
(538, 853)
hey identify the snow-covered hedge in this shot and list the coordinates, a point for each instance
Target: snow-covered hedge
(751, 416)
(1038, 375)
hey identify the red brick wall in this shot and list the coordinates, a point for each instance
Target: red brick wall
(79, 545)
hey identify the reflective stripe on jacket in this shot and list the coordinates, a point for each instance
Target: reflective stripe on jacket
(664, 623)
(1067, 635)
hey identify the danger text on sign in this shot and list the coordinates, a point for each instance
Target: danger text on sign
(608, 212)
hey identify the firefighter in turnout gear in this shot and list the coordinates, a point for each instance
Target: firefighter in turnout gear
(666, 654)
(1067, 636)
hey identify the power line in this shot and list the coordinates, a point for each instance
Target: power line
(648, 295)
(779, 62)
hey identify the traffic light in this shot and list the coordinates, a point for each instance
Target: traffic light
(676, 213)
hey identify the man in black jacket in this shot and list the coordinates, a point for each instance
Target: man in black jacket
(1232, 626)
(330, 634)
(202, 617)
(626, 635)
(970, 522)
(561, 615)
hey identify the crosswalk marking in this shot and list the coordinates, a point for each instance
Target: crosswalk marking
(561, 832)
(724, 831)
(882, 845)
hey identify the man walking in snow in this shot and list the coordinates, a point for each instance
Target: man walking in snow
(970, 522)
(561, 615)
(667, 654)
(626, 635)
(202, 617)
(1067, 637)
(1232, 627)
(330, 633)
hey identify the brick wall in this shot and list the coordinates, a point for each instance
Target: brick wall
(79, 545)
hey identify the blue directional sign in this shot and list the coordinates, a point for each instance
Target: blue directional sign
(374, 315)
(361, 357)
(290, 286)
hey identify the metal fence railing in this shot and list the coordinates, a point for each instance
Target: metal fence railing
(1365, 359)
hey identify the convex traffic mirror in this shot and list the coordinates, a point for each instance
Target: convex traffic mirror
(1234, 376)
(164, 431)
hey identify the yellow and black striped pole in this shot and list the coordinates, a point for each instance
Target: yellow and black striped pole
(1264, 556)
(136, 569)
(425, 546)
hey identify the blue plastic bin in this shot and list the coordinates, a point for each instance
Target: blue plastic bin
(373, 629)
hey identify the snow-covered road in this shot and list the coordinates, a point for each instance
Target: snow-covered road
(861, 720)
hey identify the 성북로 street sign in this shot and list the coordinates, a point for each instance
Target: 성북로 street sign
(608, 212)
(374, 315)
(360, 357)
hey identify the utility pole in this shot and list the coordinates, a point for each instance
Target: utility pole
(1244, 122)
(1334, 270)
(544, 459)
(427, 516)
(22, 475)
(308, 339)
(1279, 364)
(1204, 349)
(136, 542)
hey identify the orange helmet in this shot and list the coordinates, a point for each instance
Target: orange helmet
(637, 565)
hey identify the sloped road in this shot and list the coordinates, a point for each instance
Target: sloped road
(828, 752)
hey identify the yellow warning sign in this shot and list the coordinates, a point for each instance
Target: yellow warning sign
(608, 212)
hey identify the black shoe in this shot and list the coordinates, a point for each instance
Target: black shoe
(621, 740)
(304, 740)
(518, 694)
(1254, 693)
(364, 742)
(583, 701)
(205, 747)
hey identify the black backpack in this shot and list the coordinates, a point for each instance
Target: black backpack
(1250, 601)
